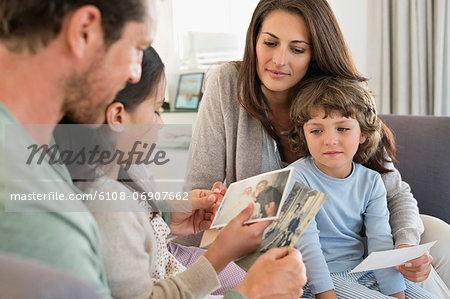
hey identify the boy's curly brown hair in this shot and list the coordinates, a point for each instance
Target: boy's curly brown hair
(347, 97)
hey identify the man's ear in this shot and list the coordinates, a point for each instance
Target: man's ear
(84, 29)
(116, 116)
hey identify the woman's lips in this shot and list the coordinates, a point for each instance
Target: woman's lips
(277, 74)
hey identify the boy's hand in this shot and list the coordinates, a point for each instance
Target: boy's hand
(400, 295)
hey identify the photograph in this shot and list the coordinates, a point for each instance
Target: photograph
(189, 91)
(266, 191)
(299, 208)
(301, 205)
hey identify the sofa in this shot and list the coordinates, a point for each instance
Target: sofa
(423, 154)
(21, 278)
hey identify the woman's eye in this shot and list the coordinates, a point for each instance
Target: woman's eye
(270, 44)
(343, 129)
(315, 131)
(298, 50)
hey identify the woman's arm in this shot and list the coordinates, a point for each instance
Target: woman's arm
(378, 232)
(404, 214)
(208, 146)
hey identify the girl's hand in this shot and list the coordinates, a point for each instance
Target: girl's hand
(236, 240)
(199, 211)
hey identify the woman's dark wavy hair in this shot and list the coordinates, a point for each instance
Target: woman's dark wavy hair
(330, 54)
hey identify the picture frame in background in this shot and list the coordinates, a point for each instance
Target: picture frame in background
(189, 91)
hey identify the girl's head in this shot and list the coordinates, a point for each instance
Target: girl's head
(133, 116)
(334, 98)
(140, 103)
(324, 53)
(135, 104)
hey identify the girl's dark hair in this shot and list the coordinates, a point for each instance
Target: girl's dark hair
(330, 55)
(71, 137)
(152, 72)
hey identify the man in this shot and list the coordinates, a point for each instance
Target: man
(268, 197)
(61, 57)
(71, 57)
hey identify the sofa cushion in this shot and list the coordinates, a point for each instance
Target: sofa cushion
(423, 153)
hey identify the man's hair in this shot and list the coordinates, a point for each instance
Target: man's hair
(346, 97)
(32, 24)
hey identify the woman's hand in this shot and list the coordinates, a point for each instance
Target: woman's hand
(418, 269)
(198, 217)
(236, 240)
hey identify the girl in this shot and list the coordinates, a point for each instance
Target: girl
(336, 128)
(133, 234)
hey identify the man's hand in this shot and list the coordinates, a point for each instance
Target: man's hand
(199, 217)
(279, 272)
(236, 240)
(418, 269)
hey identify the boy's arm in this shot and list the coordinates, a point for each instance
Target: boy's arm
(378, 232)
(400, 295)
(319, 278)
(331, 294)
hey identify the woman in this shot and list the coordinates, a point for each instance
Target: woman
(245, 107)
(132, 229)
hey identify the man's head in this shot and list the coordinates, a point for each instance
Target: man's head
(97, 47)
(28, 25)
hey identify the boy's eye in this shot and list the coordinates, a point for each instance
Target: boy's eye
(343, 129)
(315, 131)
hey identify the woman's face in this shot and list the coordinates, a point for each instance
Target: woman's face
(283, 52)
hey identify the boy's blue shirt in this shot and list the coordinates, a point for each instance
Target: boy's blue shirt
(332, 241)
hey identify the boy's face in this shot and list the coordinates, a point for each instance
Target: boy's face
(333, 142)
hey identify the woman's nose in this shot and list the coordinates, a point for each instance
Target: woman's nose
(279, 57)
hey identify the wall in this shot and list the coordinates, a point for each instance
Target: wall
(354, 17)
